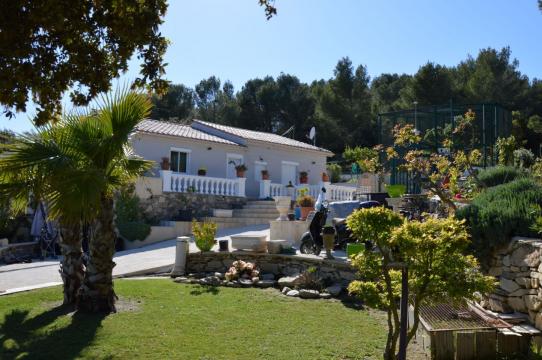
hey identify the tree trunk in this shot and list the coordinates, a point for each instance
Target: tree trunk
(97, 294)
(72, 269)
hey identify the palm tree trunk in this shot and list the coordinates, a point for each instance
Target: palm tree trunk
(97, 294)
(72, 269)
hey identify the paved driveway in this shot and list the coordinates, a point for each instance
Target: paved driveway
(149, 259)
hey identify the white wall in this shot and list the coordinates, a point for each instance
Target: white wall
(154, 147)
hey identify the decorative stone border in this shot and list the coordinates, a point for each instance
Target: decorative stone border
(276, 264)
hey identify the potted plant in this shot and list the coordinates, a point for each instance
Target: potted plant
(202, 171)
(303, 177)
(265, 175)
(306, 203)
(325, 177)
(204, 234)
(241, 168)
(165, 163)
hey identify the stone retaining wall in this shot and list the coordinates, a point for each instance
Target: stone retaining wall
(179, 206)
(518, 269)
(277, 264)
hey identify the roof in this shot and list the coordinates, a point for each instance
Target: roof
(173, 129)
(262, 136)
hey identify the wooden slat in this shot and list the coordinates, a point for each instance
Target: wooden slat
(486, 344)
(442, 345)
(465, 345)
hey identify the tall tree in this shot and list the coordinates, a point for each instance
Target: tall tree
(177, 104)
(386, 92)
(50, 47)
(431, 85)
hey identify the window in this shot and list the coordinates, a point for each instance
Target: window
(179, 161)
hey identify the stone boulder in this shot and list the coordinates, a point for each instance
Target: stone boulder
(525, 256)
(267, 276)
(517, 303)
(533, 302)
(309, 294)
(325, 296)
(334, 290)
(265, 283)
(289, 281)
(292, 293)
(285, 290)
(508, 285)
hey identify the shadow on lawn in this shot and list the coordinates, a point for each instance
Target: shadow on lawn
(214, 290)
(20, 335)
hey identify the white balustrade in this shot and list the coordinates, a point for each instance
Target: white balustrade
(333, 192)
(175, 182)
(340, 193)
(277, 190)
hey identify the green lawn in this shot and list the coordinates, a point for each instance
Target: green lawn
(159, 319)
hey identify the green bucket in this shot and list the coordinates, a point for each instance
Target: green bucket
(353, 249)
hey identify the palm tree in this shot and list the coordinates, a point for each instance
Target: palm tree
(86, 160)
(35, 164)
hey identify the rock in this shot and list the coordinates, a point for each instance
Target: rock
(534, 283)
(182, 280)
(533, 302)
(265, 283)
(498, 305)
(508, 285)
(214, 265)
(521, 292)
(293, 293)
(515, 269)
(193, 281)
(245, 282)
(289, 281)
(506, 260)
(347, 275)
(523, 281)
(538, 321)
(309, 294)
(255, 279)
(522, 257)
(495, 271)
(210, 280)
(325, 296)
(334, 290)
(219, 275)
(267, 276)
(285, 290)
(275, 246)
(517, 303)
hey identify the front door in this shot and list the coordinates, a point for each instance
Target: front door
(232, 160)
(289, 173)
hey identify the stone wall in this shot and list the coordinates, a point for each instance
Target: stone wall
(518, 269)
(184, 206)
(277, 264)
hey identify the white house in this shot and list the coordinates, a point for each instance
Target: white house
(219, 148)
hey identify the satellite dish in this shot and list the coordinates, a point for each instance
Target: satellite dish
(312, 133)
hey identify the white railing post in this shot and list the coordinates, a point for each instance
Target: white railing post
(241, 186)
(265, 189)
(166, 180)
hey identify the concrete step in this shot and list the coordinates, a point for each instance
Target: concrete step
(255, 216)
(256, 206)
(255, 211)
(236, 222)
(261, 202)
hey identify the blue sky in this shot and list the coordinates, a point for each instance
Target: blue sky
(233, 40)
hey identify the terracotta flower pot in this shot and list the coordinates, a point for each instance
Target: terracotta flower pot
(240, 173)
(202, 172)
(325, 177)
(265, 175)
(305, 210)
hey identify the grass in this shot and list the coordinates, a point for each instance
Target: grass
(159, 319)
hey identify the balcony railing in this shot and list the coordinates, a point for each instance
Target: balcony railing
(176, 182)
(333, 192)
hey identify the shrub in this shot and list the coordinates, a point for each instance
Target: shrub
(204, 234)
(501, 212)
(335, 172)
(498, 175)
(134, 230)
(128, 220)
(523, 158)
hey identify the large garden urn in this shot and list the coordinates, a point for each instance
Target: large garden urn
(283, 205)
